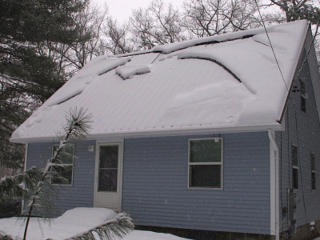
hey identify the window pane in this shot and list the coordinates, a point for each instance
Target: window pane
(205, 176)
(108, 157)
(66, 154)
(205, 151)
(108, 180)
(303, 104)
(313, 162)
(313, 180)
(294, 155)
(295, 178)
(61, 174)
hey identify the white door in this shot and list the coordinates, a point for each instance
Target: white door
(108, 176)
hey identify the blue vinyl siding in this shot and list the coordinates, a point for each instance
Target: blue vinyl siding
(155, 185)
(303, 130)
(80, 193)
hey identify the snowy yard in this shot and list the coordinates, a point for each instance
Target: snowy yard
(71, 223)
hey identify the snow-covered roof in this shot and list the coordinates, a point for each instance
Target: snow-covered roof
(229, 81)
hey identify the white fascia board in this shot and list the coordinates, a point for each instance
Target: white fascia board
(161, 133)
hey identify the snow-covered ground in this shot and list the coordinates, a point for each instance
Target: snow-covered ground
(71, 223)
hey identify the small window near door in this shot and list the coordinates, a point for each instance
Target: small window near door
(205, 163)
(295, 168)
(313, 171)
(108, 168)
(61, 169)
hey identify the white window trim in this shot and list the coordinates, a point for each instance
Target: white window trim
(205, 163)
(63, 164)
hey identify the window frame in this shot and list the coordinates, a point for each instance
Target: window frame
(313, 171)
(294, 167)
(63, 164)
(206, 163)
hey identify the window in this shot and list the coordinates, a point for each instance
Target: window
(295, 168)
(205, 163)
(61, 169)
(313, 171)
(303, 96)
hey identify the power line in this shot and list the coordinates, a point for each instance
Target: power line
(274, 54)
(309, 50)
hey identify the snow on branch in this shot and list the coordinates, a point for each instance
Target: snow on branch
(117, 227)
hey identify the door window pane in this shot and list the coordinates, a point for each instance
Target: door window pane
(108, 180)
(108, 157)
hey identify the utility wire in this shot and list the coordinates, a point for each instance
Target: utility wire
(274, 54)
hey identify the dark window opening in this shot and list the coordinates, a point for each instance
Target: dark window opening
(313, 171)
(303, 97)
(295, 168)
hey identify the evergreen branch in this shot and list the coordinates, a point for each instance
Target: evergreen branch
(77, 125)
(117, 227)
(14, 187)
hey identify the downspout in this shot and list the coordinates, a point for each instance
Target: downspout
(274, 186)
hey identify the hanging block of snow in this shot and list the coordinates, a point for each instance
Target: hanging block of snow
(208, 57)
(114, 64)
(126, 72)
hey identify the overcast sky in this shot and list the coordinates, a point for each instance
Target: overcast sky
(121, 9)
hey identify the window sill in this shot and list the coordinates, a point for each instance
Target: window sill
(206, 188)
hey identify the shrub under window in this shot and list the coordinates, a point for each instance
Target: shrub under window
(205, 163)
(61, 169)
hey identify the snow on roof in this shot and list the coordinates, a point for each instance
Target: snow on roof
(228, 81)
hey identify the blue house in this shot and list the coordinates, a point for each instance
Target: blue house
(219, 134)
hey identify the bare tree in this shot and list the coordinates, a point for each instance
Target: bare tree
(211, 17)
(115, 38)
(158, 24)
(299, 9)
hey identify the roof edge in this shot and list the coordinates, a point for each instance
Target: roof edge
(161, 133)
(294, 70)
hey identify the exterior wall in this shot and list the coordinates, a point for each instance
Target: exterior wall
(303, 130)
(155, 185)
(80, 193)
